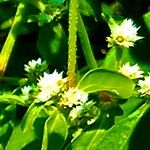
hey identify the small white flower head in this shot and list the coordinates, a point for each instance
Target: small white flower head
(50, 85)
(133, 72)
(44, 95)
(32, 65)
(144, 86)
(26, 90)
(75, 112)
(124, 34)
(73, 97)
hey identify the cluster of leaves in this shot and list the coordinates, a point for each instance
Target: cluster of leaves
(29, 125)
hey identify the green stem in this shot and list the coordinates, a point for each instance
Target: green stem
(119, 53)
(73, 19)
(9, 43)
(87, 50)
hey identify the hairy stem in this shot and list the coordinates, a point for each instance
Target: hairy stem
(87, 50)
(9, 43)
(73, 19)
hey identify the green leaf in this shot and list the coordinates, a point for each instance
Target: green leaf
(19, 139)
(55, 132)
(122, 131)
(106, 9)
(116, 138)
(30, 116)
(52, 43)
(109, 61)
(147, 19)
(9, 113)
(85, 8)
(87, 140)
(12, 99)
(5, 133)
(106, 80)
(129, 107)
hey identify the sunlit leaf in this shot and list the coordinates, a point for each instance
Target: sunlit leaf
(147, 19)
(12, 99)
(9, 113)
(106, 80)
(5, 133)
(85, 8)
(55, 132)
(19, 139)
(106, 9)
(122, 131)
(129, 107)
(116, 138)
(30, 116)
(87, 140)
(109, 61)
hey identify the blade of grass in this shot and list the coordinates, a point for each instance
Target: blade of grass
(11, 38)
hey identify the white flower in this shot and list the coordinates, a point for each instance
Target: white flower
(144, 86)
(26, 92)
(75, 112)
(50, 85)
(73, 96)
(26, 89)
(124, 34)
(50, 81)
(133, 72)
(32, 64)
(44, 95)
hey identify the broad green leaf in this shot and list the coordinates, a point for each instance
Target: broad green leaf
(87, 140)
(5, 133)
(147, 19)
(106, 80)
(30, 116)
(52, 43)
(12, 99)
(55, 132)
(85, 8)
(129, 107)
(8, 114)
(116, 138)
(122, 131)
(19, 139)
(106, 9)
(109, 61)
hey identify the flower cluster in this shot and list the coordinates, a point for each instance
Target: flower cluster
(32, 65)
(72, 97)
(123, 34)
(35, 68)
(133, 72)
(52, 87)
(88, 110)
(144, 86)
